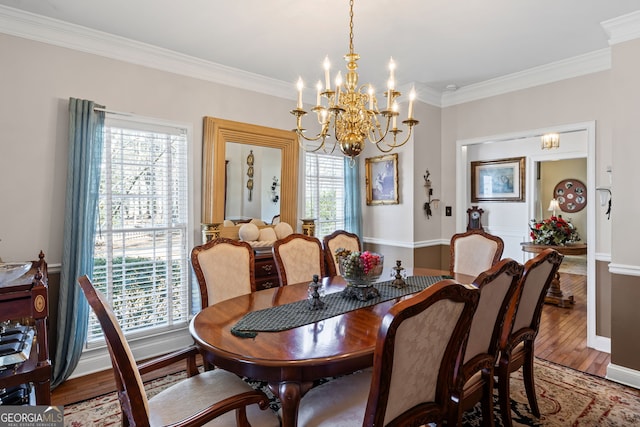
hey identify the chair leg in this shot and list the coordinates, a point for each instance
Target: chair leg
(504, 392)
(529, 383)
(487, 400)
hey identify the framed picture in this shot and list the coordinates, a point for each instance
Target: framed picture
(382, 180)
(498, 180)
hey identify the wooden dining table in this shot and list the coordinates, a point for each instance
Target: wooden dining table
(290, 361)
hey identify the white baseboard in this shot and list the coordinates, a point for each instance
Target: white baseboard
(623, 375)
(600, 343)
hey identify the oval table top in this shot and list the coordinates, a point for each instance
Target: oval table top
(298, 356)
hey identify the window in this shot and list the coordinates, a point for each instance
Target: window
(324, 192)
(141, 250)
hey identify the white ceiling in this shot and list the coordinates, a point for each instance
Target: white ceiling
(435, 43)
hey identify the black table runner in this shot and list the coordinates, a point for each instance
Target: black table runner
(295, 314)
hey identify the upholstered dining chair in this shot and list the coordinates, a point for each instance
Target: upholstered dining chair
(498, 287)
(224, 269)
(415, 361)
(335, 240)
(473, 252)
(298, 257)
(523, 322)
(216, 397)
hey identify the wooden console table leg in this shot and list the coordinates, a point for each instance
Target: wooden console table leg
(556, 296)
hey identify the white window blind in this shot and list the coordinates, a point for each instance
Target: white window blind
(324, 192)
(141, 250)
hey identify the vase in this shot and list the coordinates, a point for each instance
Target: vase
(360, 285)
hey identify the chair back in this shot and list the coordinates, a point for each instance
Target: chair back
(298, 257)
(335, 240)
(225, 268)
(473, 252)
(416, 355)
(498, 286)
(536, 279)
(133, 399)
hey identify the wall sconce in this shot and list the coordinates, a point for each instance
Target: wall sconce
(550, 140)
(250, 161)
(605, 199)
(605, 194)
(554, 206)
(429, 191)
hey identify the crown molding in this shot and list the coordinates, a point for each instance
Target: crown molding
(59, 33)
(622, 28)
(592, 62)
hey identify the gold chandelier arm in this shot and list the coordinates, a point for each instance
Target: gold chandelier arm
(376, 139)
(410, 124)
(301, 137)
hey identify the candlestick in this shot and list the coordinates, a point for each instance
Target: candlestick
(318, 92)
(392, 68)
(327, 77)
(412, 97)
(395, 116)
(300, 86)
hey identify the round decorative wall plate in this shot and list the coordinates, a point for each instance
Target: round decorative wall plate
(571, 195)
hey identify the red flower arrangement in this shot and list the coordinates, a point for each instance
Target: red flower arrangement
(553, 231)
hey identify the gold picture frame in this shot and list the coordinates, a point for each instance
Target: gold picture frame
(382, 180)
(499, 180)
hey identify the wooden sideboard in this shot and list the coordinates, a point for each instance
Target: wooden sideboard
(27, 298)
(265, 270)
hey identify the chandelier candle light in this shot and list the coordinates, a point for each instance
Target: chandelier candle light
(351, 112)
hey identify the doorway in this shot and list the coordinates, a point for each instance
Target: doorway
(577, 141)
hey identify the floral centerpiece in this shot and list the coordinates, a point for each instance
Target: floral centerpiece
(553, 231)
(360, 270)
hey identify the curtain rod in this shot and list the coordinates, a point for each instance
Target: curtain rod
(112, 112)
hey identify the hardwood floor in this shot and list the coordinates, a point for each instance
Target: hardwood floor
(562, 339)
(563, 332)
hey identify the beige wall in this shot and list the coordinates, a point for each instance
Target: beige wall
(625, 257)
(37, 81)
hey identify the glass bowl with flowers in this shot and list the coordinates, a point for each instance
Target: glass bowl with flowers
(360, 270)
(555, 231)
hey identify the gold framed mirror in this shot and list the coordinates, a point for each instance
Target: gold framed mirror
(216, 134)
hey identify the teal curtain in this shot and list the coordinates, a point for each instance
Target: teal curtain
(83, 179)
(352, 203)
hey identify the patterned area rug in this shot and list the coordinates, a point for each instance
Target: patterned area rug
(566, 398)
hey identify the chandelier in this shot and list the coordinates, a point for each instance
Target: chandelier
(351, 113)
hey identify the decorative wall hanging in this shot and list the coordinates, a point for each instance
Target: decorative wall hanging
(430, 201)
(275, 197)
(382, 180)
(498, 180)
(571, 195)
(250, 161)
